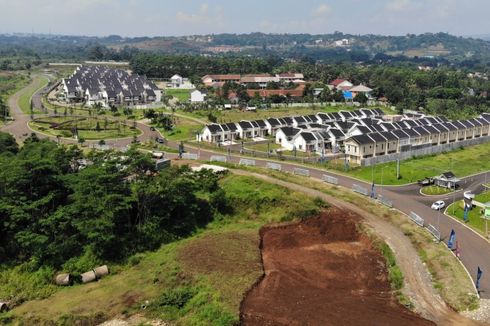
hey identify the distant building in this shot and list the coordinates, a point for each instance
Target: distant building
(447, 180)
(198, 96)
(261, 79)
(176, 81)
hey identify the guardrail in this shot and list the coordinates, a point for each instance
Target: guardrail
(274, 166)
(417, 219)
(218, 158)
(189, 156)
(360, 190)
(302, 172)
(385, 201)
(435, 232)
(329, 179)
(247, 162)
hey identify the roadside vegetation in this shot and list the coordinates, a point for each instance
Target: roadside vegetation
(38, 82)
(475, 216)
(193, 270)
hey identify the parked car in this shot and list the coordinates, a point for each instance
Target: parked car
(160, 140)
(438, 205)
(426, 181)
(152, 128)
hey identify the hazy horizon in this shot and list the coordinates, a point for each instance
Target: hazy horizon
(131, 18)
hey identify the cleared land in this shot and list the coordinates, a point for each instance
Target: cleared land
(89, 128)
(448, 275)
(462, 162)
(322, 271)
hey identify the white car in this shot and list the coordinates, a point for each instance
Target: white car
(438, 205)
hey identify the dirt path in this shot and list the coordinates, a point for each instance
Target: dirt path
(417, 280)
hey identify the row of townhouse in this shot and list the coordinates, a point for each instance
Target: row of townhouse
(362, 146)
(311, 139)
(343, 120)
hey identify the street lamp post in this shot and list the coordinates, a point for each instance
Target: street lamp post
(439, 222)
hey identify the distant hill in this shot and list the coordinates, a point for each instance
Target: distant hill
(317, 47)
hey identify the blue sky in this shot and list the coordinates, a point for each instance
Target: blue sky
(184, 17)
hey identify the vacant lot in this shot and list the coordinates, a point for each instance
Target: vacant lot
(322, 271)
(89, 128)
(183, 95)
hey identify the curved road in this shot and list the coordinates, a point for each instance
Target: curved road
(475, 250)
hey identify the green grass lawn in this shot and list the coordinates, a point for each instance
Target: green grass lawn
(462, 162)
(184, 129)
(200, 280)
(235, 115)
(263, 147)
(183, 95)
(435, 190)
(476, 221)
(38, 82)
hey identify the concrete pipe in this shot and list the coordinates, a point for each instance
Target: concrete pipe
(101, 271)
(3, 307)
(88, 277)
(63, 279)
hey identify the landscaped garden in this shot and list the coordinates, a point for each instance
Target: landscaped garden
(435, 190)
(475, 216)
(88, 128)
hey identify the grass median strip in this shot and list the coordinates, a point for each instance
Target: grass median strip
(37, 83)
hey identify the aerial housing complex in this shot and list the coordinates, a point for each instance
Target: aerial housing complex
(109, 87)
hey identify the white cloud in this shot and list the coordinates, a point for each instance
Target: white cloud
(194, 18)
(322, 10)
(398, 5)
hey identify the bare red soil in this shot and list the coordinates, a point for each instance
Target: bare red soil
(322, 271)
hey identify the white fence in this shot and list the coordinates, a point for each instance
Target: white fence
(435, 232)
(274, 166)
(429, 150)
(416, 219)
(247, 162)
(359, 189)
(189, 156)
(218, 158)
(331, 180)
(302, 172)
(385, 201)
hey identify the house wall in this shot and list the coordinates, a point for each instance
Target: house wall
(430, 150)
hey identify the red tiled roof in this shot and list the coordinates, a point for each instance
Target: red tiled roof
(337, 82)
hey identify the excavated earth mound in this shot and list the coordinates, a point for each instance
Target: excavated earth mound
(323, 271)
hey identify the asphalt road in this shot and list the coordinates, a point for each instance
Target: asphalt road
(475, 250)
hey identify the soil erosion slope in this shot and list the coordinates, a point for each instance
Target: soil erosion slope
(322, 271)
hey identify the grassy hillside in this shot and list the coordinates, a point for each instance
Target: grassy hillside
(195, 281)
